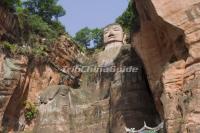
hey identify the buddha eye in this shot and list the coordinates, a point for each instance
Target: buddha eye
(116, 29)
(105, 32)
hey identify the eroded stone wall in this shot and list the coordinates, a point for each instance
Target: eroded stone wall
(168, 30)
(9, 25)
(23, 79)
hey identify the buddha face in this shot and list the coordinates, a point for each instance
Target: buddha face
(113, 33)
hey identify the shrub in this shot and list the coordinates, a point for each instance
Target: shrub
(47, 9)
(39, 50)
(58, 27)
(129, 20)
(9, 47)
(30, 111)
(11, 4)
(38, 26)
(89, 38)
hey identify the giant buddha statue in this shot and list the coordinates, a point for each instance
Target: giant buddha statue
(113, 40)
(131, 102)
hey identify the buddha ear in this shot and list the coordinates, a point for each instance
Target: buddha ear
(124, 38)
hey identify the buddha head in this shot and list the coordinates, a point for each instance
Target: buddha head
(113, 33)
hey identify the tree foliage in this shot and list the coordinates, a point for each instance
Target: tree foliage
(39, 25)
(88, 37)
(83, 36)
(11, 4)
(47, 9)
(30, 111)
(129, 19)
(41, 17)
(97, 36)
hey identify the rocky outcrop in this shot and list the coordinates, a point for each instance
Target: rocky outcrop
(59, 112)
(9, 25)
(168, 29)
(53, 111)
(23, 79)
(64, 57)
(13, 72)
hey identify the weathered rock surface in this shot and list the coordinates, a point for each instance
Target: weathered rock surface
(13, 72)
(60, 111)
(53, 111)
(64, 58)
(23, 79)
(168, 29)
(9, 25)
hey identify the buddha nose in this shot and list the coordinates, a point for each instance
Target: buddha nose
(110, 34)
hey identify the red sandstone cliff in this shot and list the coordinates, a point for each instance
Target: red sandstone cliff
(22, 79)
(168, 30)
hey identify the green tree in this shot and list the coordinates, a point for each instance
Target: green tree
(47, 9)
(11, 4)
(38, 26)
(83, 37)
(40, 17)
(97, 37)
(129, 19)
(88, 37)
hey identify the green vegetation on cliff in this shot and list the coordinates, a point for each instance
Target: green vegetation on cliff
(41, 17)
(30, 111)
(11, 4)
(39, 25)
(129, 19)
(46, 9)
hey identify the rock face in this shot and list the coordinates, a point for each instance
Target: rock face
(53, 111)
(60, 110)
(13, 72)
(168, 29)
(64, 57)
(9, 25)
(23, 79)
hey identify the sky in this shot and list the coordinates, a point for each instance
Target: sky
(90, 13)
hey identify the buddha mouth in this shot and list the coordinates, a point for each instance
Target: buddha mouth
(112, 41)
(111, 37)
